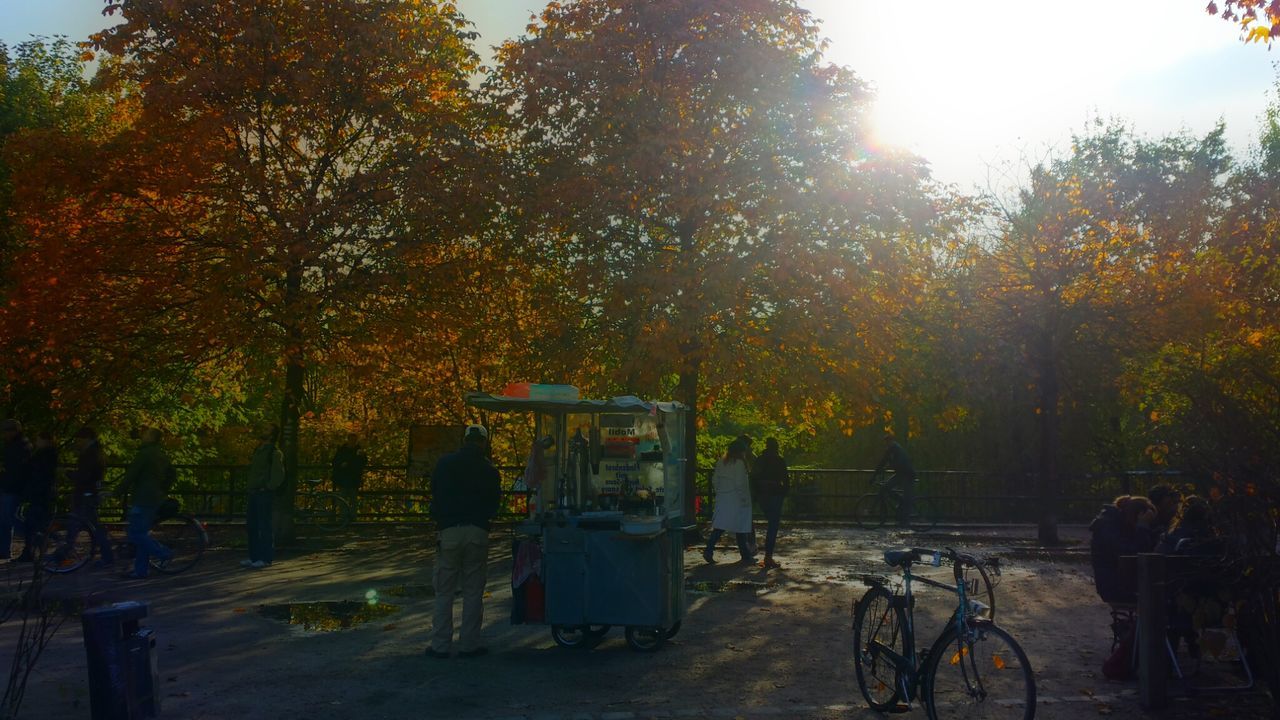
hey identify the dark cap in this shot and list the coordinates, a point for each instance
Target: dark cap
(11, 424)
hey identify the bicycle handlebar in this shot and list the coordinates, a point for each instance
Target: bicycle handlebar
(955, 557)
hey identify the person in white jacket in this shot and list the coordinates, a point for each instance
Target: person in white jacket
(733, 502)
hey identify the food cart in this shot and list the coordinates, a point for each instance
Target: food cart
(603, 540)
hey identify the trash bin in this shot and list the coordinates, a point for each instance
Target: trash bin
(123, 677)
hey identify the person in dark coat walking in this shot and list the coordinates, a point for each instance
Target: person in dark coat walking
(466, 491)
(15, 465)
(771, 483)
(87, 480)
(266, 475)
(42, 479)
(146, 482)
(348, 470)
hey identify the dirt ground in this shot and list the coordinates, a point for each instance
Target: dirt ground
(753, 644)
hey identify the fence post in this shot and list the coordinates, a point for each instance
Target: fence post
(1153, 664)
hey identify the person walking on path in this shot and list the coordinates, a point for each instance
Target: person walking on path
(266, 474)
(904, 476)
(87, 480)
(348, 470)
(38, 495)
(771, 483)
(15, 460)
(466, 492)
(145, 483)
(733, 502)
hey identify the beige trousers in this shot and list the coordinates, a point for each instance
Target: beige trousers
(462, 555)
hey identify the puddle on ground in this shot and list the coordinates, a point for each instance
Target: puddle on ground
(410, 591)
(328, 615)
(706, 586)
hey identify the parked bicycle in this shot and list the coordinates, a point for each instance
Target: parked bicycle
(974, 669)
(322, 509)
(883, 505)
(182, 534)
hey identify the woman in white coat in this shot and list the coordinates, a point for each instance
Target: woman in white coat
(733, 502)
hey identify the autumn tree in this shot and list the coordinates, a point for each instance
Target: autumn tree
(1078, 274)
(52, 119)
(305, 162)
(1212, 388)
(706, 179)
(1259, 20)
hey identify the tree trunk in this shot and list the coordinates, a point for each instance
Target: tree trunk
(289, 414)
(1049, 484)
(689, 396)
(290, 411)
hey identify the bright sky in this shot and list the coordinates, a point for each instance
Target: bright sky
(974, 87)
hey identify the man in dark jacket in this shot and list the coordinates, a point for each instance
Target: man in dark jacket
(15, 465)
(772, 483)
(348, 470)
(266, 475)
(145, 482)
(42, 478)
(465, 493)
(86, 496)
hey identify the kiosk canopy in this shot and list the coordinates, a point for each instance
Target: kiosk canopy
(620, 404)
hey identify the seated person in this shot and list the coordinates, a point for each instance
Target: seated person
(1191, 532)
(1199, 600)
(1167, 501)
(1121, 528)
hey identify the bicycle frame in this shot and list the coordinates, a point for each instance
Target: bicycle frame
(909, 666)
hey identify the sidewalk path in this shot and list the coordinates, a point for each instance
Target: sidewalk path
(776, 645)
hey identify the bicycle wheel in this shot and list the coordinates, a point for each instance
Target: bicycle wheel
(878, 623)
(326, 511)
(984, 674)
(924, 515)
(980, 589)
(185, 538)
(871, 511)
(61, 556)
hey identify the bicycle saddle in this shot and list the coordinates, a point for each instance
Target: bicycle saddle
(899, 558)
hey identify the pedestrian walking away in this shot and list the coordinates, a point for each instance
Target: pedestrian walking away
(466, 491)
(266, 474)
(733, 502)
(42, 477)
(771, 483)
(15, 461)
(87, 479)
(146, 483)
(348, 470)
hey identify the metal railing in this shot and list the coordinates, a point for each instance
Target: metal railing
(217, 493)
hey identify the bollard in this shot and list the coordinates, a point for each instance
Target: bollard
(123, 677)
(1153, 663)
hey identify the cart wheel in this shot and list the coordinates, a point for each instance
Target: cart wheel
(645, 639)
(573, 636)
(595, 632)
(671, 632)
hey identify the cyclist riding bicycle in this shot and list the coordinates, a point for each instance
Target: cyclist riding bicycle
(904, 476)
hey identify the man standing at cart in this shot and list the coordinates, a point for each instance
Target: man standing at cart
(465, 494)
